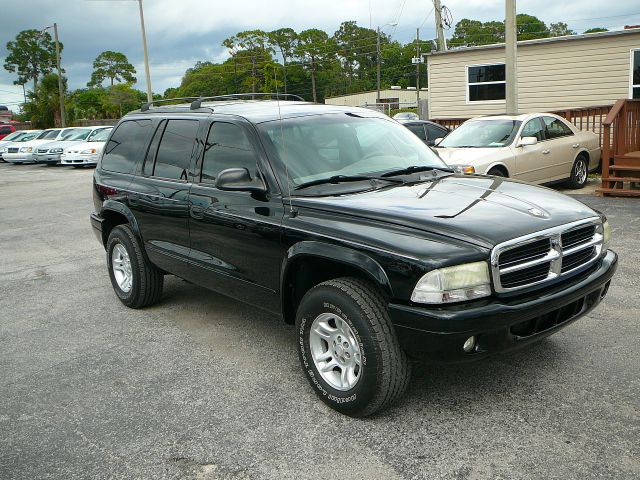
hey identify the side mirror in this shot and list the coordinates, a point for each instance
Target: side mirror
(437, 141)
(239, 180)
(527, 141)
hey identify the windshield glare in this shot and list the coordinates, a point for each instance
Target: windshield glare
(76, 134)
(48, 134)
(482, 133)
(323, 146)
(100, 135)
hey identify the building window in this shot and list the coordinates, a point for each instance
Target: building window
(635, 74)
(486, 83)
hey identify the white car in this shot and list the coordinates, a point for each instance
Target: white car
(25, 152)
(17, 137)
(86, 153)
(50, 153)
(534, 147)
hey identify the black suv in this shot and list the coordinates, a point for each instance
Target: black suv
(346, 224)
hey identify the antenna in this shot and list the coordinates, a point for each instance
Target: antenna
(284, 145)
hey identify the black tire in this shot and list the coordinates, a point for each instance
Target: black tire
(147, 280)
(385, 370)
(497, 172)
(579, 173)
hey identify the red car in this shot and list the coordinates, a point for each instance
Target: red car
(6, 129)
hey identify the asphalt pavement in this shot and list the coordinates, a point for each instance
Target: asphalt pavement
(201, 386)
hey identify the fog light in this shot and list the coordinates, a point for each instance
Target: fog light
(469, 344)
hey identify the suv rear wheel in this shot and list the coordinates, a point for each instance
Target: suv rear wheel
(135, 280)
(348, 348)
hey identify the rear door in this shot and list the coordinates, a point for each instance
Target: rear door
(159, 193)
(235, 235)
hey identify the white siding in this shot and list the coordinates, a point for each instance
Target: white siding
(555, 75)
(407, 98)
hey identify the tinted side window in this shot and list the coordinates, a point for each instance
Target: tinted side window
(175, 150)
(418, 131)
(434, 132)
(227, 147)
(533, 128)
(5, 130)
(555, 128)
(147, 168)
(123, 148)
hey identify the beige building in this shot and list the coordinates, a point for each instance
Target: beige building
(553, 74)
(399, 98)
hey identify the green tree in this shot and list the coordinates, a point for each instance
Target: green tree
(114, 66)
(315, 49)
(43, 106)
(284, 40)
(253, 45)
(121, 99)
(596, 30)
(530, 27)
(475, 32)
(357, 51)
(560, 29)
(32, 54)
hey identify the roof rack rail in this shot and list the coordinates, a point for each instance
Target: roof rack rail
(147, 105)
(196, 104)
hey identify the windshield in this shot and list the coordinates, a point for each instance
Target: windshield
(482, 133)
(76, 134)
(28, 136)
(48, 134)
(14, 136)
(323, 146)
(101, 135)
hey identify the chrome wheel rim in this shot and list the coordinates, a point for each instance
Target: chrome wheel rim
(335, 351)
(581, 171)
(121, 265)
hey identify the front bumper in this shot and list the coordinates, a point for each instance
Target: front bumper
(77, 159)
(500, 325)
(18, 157)
(48, 158)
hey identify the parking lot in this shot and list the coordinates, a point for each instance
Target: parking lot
(201, 386)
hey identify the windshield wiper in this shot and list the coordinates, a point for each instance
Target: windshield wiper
(344, 178)
(414, 169)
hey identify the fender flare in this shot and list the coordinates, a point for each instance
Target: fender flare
(337, 253)
(119, 207)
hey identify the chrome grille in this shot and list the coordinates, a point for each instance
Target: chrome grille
(543, 256)
(43, 150)
(12, 150)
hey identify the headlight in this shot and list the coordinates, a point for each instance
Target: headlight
(88, 152)
(453, 284)
(55, 150)
(26, 149)
(3, 149)
(468, 169)
(606, 236)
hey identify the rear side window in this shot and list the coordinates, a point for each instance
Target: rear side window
(125, 145)
(228, 146)
(4, 130)
(418, 131)
(175, 149)
(434, 132)
(556, 128)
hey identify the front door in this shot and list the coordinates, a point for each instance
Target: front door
(533, 161)
(235, 235)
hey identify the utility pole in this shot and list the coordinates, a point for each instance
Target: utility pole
(418, 70)
(378, 66)
(63, 121)
(437, 7)
(511, 58)
(146, 54)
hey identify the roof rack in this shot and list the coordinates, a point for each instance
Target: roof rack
(145, 106)
(197, 103)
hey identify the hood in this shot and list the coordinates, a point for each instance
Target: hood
(480, 210)
(472, 156)
(36, 143)
(59, 144)
(77, 147)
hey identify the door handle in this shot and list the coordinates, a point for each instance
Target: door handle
(197, 212)
(575, 145)
(546, 152)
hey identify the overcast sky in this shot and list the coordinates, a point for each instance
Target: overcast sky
(181, 32)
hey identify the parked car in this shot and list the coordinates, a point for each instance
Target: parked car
(15, 137)
(425, 130)
(50, 153)
(406, 116)
(535, 147)
(25, 153)
(6, 129)
(86, 153)
(348, 226)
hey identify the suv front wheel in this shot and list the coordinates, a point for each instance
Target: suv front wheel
(137, 282)
(348, 347)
